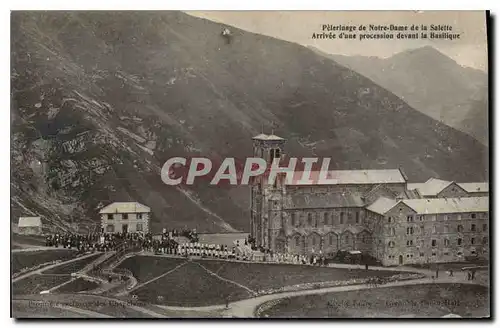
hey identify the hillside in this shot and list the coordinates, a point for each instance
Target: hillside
(432, 83)
(101, 99)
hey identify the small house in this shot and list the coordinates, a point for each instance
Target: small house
(30, 225)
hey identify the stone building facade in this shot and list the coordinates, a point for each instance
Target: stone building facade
(429, 230)
(317, 217)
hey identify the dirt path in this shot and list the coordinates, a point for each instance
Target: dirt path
(31, 248)
(133, 307)
(151, 280)
(253, 292)
(86, 313)
(246, 308)
(38, 271)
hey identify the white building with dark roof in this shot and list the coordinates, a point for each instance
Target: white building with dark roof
(125, 217)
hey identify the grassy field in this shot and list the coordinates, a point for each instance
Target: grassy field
(259, 276)
(22, 260)
(145, 268)
(208, 282)
(37, 283)
(190, 285)
(430, 300)
(28, 240)
(72, 266)
(77, 285)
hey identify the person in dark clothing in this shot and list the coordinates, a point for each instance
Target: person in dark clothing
(469, 275)
(366, 265)
(473, 274)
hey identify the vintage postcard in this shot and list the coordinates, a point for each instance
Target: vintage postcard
(250, 164)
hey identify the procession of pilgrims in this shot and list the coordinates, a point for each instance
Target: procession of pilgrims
(166, 244)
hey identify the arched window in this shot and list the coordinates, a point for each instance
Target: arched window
(485, 240)
(314, 240)
(341, 217)
(316, 222)
(325, 218)
(459, 241)
(346, 238)
(294, 219)
(309, 219)
(357, 217)
(460, 228)
(446, 242)
(392, 231)
(330, 239)
(391, 244)
(297, 241)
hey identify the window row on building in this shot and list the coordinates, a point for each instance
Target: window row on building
(316, 219)
(446, 217)
(111, 228)
(411, 230)
(445, 243)
(124, 216)
(332, 239)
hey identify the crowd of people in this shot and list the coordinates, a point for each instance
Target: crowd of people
(167, 243)
(210, 250)
(98, 242)
(190, 234)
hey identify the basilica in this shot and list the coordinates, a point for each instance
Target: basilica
(372, 211)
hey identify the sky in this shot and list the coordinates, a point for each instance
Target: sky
(299, 26)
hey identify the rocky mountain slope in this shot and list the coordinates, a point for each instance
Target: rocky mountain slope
(432, 83)
(100, 100)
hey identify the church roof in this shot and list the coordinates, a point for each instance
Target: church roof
(346, 177)
(325, 201)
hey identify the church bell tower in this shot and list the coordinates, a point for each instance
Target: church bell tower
(266, 198)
